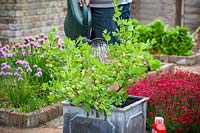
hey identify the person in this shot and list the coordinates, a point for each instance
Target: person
(102, 16)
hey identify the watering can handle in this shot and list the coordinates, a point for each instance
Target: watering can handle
(85, 13)
(85, 18)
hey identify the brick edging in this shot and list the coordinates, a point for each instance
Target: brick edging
(180, 60)
(165, 67)
(9, 118)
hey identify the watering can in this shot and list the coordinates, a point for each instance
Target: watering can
(78, 20)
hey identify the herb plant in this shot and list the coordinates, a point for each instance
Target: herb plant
(23, 71)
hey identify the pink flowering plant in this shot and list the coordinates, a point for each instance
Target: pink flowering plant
(23, 70)
(174, 96)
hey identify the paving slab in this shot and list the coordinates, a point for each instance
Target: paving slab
(32, 130)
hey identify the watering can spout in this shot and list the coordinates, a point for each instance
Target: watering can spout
(78, 20)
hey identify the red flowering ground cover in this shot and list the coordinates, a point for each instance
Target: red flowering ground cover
(174, 96)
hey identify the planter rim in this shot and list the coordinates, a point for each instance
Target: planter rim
(117, 109)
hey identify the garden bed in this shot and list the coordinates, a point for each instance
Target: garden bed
(179, 60)
(9, 118)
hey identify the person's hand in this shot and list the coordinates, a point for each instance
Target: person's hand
(81, 4)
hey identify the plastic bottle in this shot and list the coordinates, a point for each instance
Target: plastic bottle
(158, 126)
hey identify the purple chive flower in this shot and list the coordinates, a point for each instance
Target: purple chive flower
(5, 74)
(8, 74)
(33, 44)
(45, 37)
(25, 63)
(29, 70)
(35, 66)
(5, 68)
(29, 52)
(38, 74)
(39, 69)
(41, 35)
(24, 46)
(23, 52)
(3, 64)
(26, 40)
(2, 74)
(20, 47)
(31, 38)
(16, 74)
(19, 70)
(20, 78)
(42, 56)
(1, 53)
(4, 49)
(11, 54)
(41, 41)
(11, 43)
(36, 38)
(7, 47)
(18, 62)
(13, 47)
(17, 45)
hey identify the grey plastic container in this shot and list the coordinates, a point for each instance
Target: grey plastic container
(128, 119)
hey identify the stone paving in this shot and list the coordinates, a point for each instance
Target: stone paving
(32, 130)
(55, 126)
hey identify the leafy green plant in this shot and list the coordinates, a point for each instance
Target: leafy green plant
(162, 39)
(89, 83)
(177, 41)
(24, 70)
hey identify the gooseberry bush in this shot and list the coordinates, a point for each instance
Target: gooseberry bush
(174, 96)
(86, 81)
